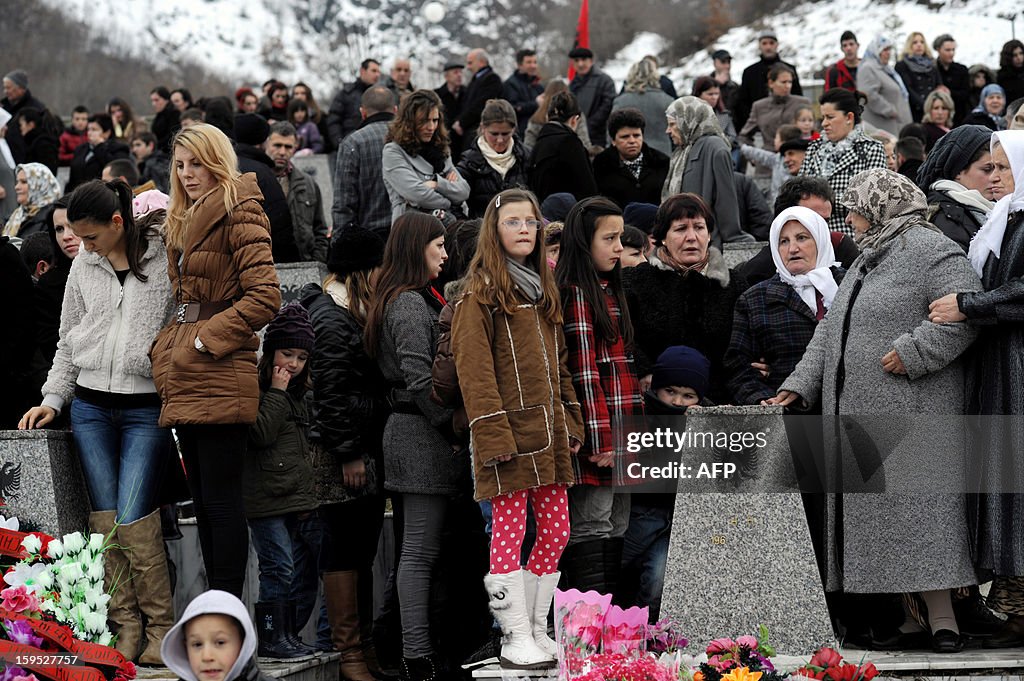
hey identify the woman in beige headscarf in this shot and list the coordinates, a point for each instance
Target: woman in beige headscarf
(35, 188)
(702, 164)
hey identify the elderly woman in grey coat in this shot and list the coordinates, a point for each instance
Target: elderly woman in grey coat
(417, 162)
(888, 106)
(702, 164)
(643, 91)
(877, 353)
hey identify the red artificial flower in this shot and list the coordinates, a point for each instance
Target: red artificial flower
(826, 657)
(867, 671)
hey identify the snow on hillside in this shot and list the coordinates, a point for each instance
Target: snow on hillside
(319, 41)
(809, 33)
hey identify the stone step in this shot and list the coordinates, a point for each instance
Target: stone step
(972, 664)
(326, 667)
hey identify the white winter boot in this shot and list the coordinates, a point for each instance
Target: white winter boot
(539, 593)
(507, 600)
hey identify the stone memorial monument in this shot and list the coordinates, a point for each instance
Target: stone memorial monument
(41, 481)
(741, 555)
(295, 275)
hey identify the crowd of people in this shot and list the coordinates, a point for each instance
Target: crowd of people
(517, 270)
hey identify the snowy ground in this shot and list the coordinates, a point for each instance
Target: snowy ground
(809, 34)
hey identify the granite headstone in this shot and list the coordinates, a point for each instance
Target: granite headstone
(318, 167)
(739, 253)
(739, 555)
(41, 481)
(295, 275)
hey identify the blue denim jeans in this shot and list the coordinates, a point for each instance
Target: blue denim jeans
(123, 453)
(645, 552)
(288, 549)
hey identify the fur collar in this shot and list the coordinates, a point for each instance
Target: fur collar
(716, 269)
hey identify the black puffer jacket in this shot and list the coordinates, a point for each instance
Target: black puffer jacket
(484, 181)
(348, 393)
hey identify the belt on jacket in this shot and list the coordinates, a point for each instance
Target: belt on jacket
(189, 313)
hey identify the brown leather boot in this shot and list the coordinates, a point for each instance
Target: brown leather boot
(343, 615)
(123, 607)
(143, 543)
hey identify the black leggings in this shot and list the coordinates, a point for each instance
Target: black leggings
(212, 456)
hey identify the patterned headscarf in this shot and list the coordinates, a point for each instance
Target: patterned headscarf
(890, 202)
(43, 189)
(694, 118)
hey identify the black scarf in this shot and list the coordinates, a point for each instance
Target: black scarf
(433, 155)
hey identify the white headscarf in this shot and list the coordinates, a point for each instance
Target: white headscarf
(820, 278)
(989, 238)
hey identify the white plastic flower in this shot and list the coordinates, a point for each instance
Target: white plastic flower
(96, 541)
(71, 572)
(95, 623)
(55, 548)
(45, 578)
(94, 570)
(106, 639)
(32, 544)
(29, 575)
(10, 523)
(73, 543)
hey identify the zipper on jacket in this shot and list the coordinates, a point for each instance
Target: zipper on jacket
(115, 331)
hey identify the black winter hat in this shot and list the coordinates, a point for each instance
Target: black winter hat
(640, 215)
(682, 366)
(355, 250)
(581, 53)
(952, 154)
(251, 128)
(557, 206)
(797, 145)
(290, 328)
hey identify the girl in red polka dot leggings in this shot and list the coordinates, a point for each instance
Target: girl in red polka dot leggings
(525, 422)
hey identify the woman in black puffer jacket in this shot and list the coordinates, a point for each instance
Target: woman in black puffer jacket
(496, 160)
(348, 425)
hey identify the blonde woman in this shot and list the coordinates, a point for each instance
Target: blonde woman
(204, 361)
(938, 116)
(919, 73)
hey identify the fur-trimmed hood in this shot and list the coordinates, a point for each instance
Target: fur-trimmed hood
(716, 269)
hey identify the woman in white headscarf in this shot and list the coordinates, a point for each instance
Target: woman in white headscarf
(774, 320)
(888, 105)
(35, 188)
(702, 164)
(995, 384)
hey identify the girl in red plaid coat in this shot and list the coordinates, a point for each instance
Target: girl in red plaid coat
(599, 335)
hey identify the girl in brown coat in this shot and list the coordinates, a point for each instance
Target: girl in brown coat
(524, 419)
(204, 361)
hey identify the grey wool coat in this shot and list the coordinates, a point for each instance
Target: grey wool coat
(899, 541)
(404, 175)
(886, 109)
(418, 457)
(709, 174)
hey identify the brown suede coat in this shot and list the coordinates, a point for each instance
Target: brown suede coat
(226, 257)
(518, 395)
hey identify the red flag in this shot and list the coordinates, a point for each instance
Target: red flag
(582, 33)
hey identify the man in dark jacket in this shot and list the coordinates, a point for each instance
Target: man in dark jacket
(594, 91)
(630, 171)
(250, 132)
(453, 96)
(167, 120)
(755, 215)
(843, 74)
(153, 163)
(41, 145)
(754, 84)
(723, 76)
(955, 76)
(17, 97)
(304, 200)
(523, 88)
(359, 202)
(484, 84)
(343, 116)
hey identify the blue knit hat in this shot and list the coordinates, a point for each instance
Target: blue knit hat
(640, 215)
(682, 366)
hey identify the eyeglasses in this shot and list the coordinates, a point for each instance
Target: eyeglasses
(516, 223)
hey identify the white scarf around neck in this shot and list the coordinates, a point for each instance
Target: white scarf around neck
(820, 278)
(500, 162)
